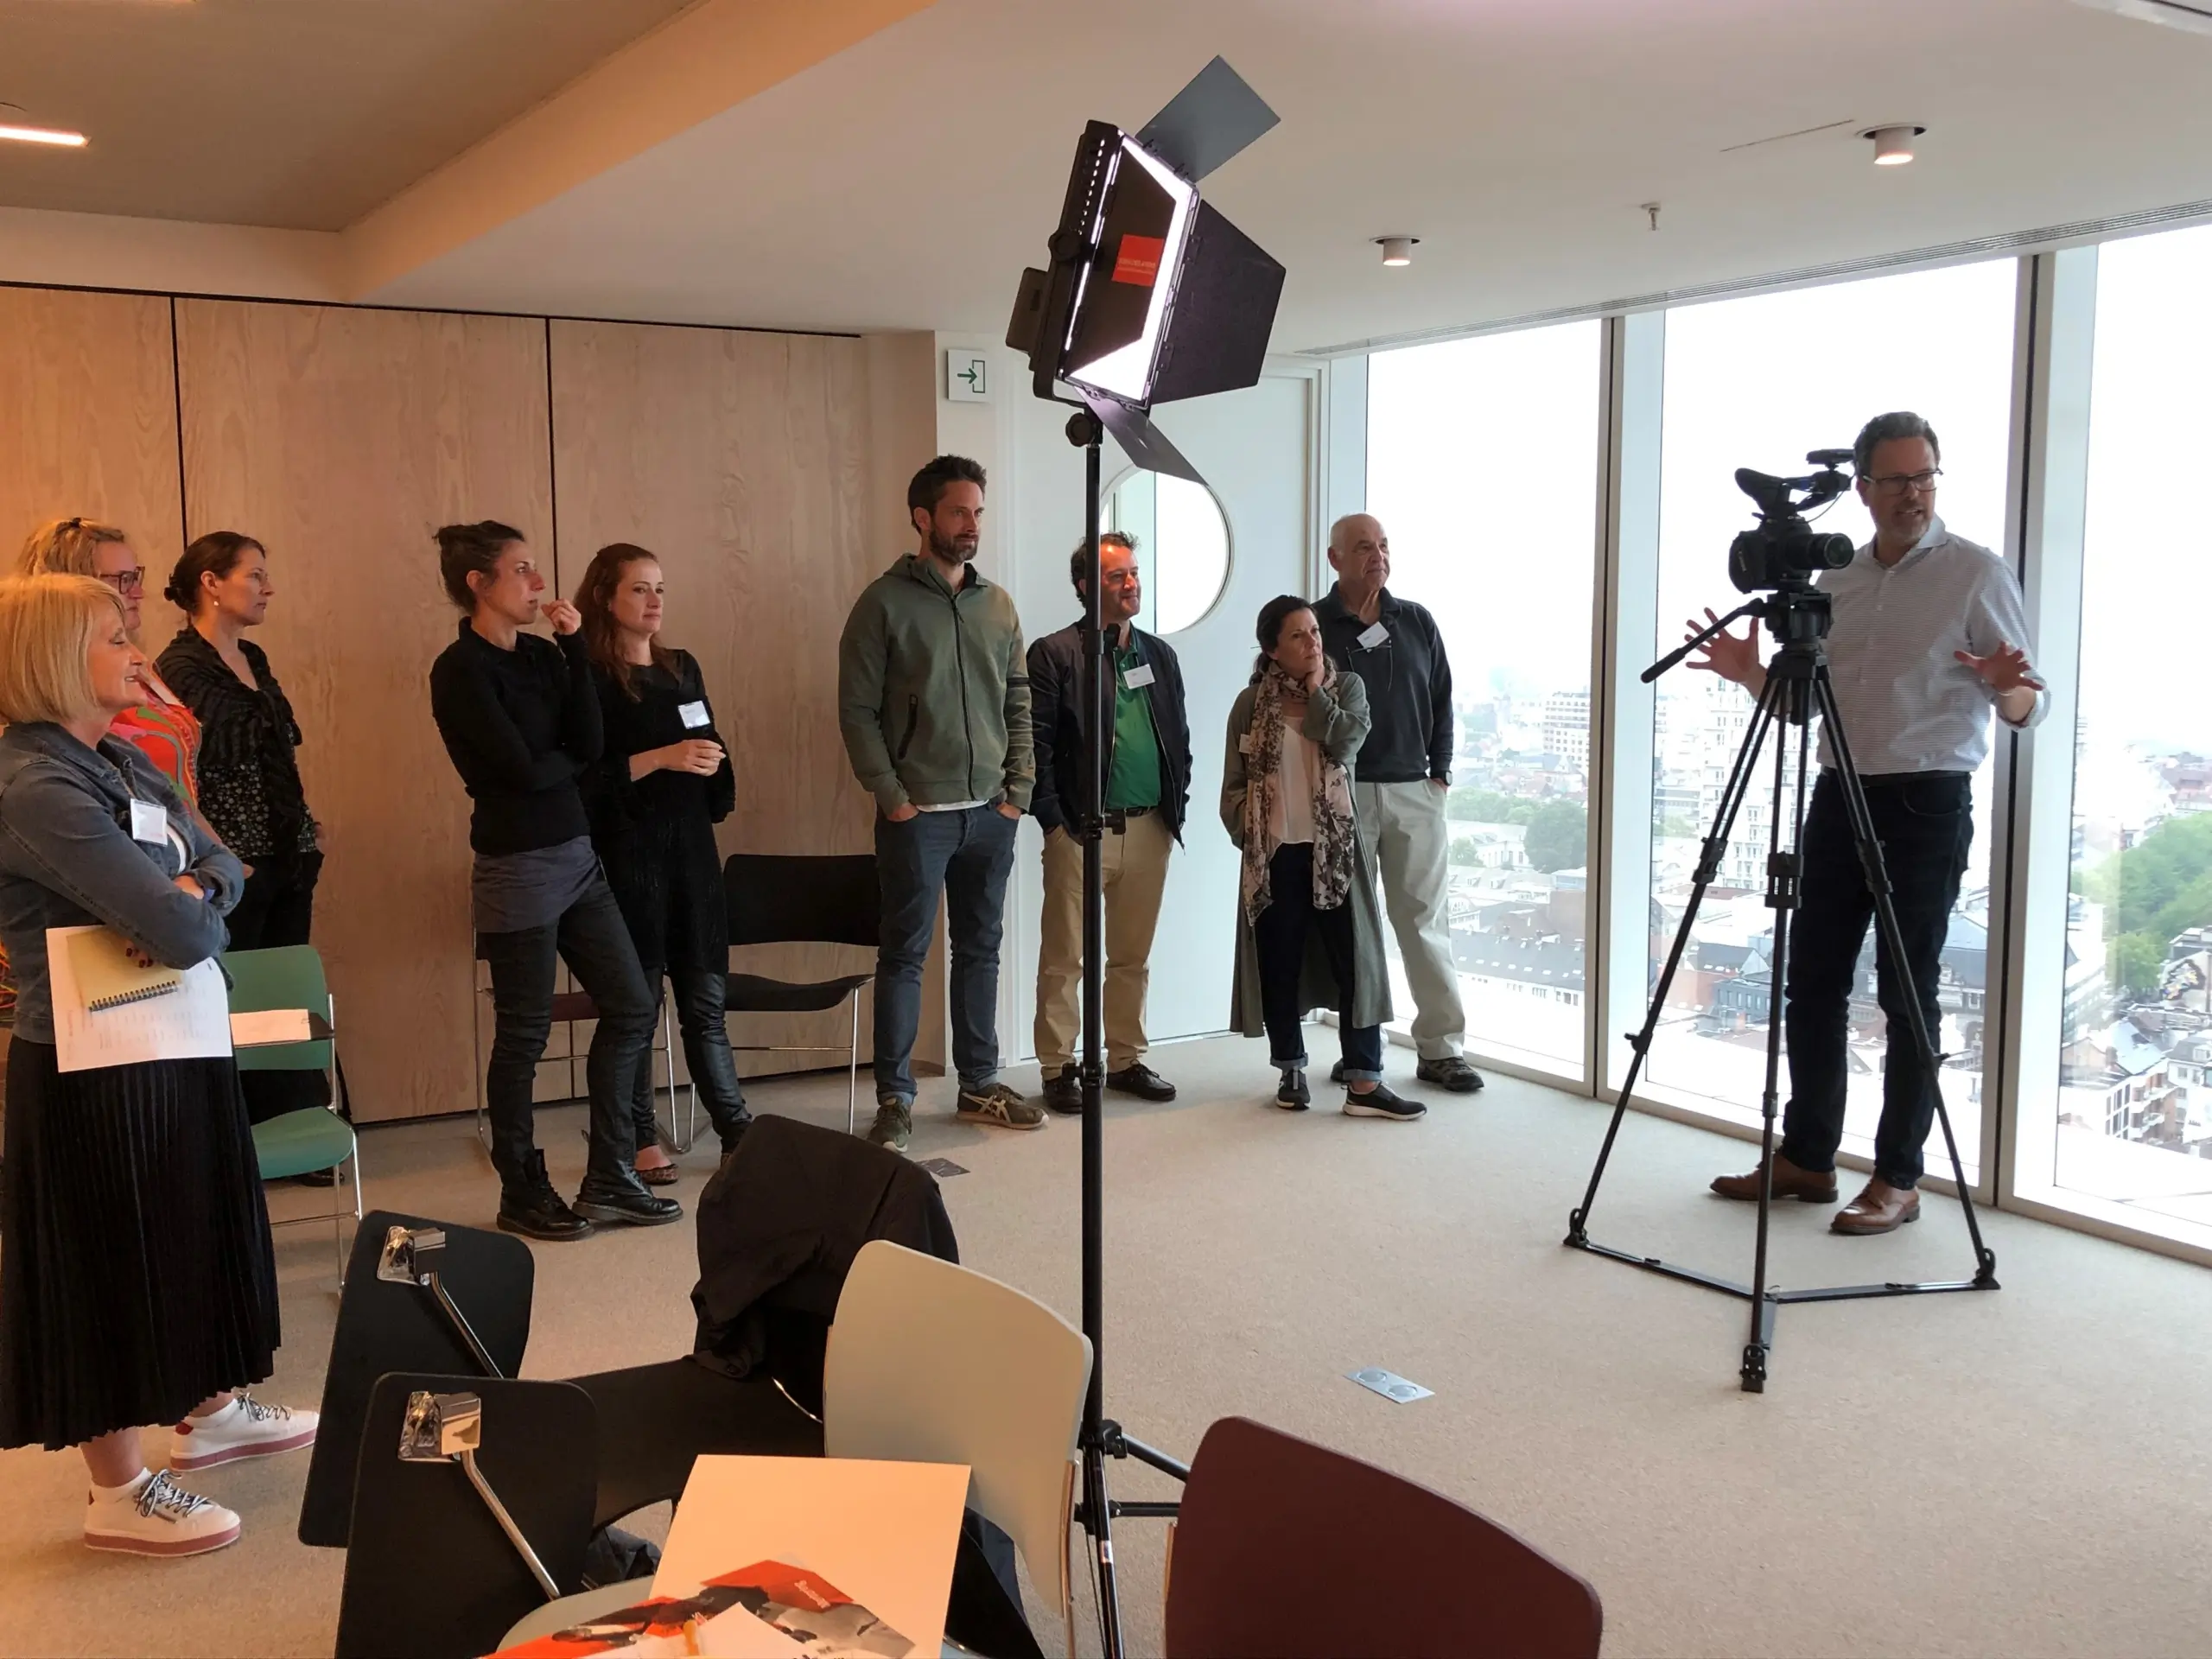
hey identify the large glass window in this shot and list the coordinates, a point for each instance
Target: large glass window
(1758, 382)
(1482, 464)
(2134, 1098)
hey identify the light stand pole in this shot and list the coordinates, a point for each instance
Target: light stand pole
(1099, 1437)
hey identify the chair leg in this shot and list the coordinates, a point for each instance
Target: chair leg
(853, 1072)
(682, 1142)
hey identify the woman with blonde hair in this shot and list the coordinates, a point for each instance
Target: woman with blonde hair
(160, 725)
(136, 1284)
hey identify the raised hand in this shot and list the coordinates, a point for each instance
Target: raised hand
(564, 617)
(2004, 669)
(1731, 657)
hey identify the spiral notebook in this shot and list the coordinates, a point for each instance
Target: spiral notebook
(190, 1019)
(107, 977)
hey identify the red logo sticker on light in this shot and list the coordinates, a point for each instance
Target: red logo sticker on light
(1137, 261)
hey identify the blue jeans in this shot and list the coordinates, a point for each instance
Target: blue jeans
(1925, 826)
(969, 855)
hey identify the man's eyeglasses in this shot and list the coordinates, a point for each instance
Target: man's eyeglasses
(126, 581)
(1898, 483)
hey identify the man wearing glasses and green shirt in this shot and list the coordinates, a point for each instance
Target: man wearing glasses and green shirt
(1929, 635)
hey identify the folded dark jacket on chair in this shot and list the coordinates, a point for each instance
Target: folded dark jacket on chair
(779, 1226)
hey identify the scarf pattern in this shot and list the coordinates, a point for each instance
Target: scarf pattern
(1333, 840)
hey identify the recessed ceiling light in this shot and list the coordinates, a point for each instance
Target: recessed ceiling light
(1398, 250)
(43, 136)
(1892, 142)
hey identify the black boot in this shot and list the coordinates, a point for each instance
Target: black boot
(622, 1197)
(536, 1211)
(732, 1129)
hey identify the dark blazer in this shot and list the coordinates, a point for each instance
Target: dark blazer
(1058, 724)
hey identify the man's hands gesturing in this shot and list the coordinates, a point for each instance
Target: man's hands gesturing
(1726, 655)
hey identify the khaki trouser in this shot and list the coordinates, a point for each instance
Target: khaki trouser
(1403, 828)
(1136, 874)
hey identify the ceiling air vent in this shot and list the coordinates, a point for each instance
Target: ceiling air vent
(2195, 16)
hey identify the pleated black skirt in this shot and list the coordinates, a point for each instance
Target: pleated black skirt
(136, 1273)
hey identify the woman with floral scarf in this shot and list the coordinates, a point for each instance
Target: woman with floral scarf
(1308, 931)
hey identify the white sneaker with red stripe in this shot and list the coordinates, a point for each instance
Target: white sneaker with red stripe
(244, 1428)
(154, 1516)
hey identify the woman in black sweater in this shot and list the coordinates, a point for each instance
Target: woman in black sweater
(661, 785)
(521, 721)
(248, 769)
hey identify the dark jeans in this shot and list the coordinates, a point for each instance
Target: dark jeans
(589, 937)
(701, 1015)
(1925, 826)
(278, 907)
(1278, 940)
(969, 855)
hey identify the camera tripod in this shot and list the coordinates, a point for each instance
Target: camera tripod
(1798, 685)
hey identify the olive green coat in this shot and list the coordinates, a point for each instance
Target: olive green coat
(1337, 721)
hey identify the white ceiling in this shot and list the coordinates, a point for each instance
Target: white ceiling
(903, 183)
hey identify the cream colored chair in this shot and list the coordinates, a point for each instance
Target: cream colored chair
(932, 1363)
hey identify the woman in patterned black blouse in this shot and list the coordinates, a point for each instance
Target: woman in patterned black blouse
(248, 772)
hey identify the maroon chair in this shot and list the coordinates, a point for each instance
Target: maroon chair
(1287, 1550)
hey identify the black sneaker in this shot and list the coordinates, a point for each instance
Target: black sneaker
(1337, 1072)
(1451, 1072)
(540, 1213)
(1063, 1091)
(1291, 1093)
(624, 1199)
(894, 1123)
(1379, 1102)
(1139, 1079)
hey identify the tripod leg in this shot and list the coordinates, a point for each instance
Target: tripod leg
(1893, 937)
(1715, 848)
(1784, 875)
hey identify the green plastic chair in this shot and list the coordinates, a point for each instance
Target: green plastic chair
(298, 1143)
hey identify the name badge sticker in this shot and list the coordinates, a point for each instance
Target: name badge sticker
(1245, 743)
(149, 823)
(1374, 637)
(1138, 677)
(695, 716)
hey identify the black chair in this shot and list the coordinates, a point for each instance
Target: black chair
(431, 1573)
(655, 1419)
(804, 900)
(385, 1327)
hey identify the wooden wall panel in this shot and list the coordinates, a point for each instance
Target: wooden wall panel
(749, 463)
(88, 425)
(341, 438)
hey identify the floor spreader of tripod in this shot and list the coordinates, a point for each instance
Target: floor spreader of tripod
(1798, 686)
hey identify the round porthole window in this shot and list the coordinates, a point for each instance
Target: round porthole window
(1182, 541)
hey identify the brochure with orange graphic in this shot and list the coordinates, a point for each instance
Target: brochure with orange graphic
(766, 1611)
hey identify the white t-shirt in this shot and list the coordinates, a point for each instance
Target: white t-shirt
(1295, 780)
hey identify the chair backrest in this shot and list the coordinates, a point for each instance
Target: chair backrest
(777, 899)
(933, 1362)
(429, 1574)
(398, 1327)
(283, 976)
(1287, 1550)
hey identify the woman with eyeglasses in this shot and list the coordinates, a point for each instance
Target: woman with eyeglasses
(249, 774)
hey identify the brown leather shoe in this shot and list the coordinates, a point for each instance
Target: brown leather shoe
(1880, 1209)
(1789, 1182)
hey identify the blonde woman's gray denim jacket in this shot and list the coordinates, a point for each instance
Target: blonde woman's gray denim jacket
(68, 858)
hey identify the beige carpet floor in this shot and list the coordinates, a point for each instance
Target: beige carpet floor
(2022, 1473)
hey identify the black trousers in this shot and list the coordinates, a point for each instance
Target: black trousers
(591, 938)
(1278, 940)
(1925, 826)
(278, 907)
(702, 1018)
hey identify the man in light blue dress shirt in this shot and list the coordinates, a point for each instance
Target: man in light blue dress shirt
(1930, 636)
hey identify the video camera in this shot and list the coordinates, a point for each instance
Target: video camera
(1785, 550)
